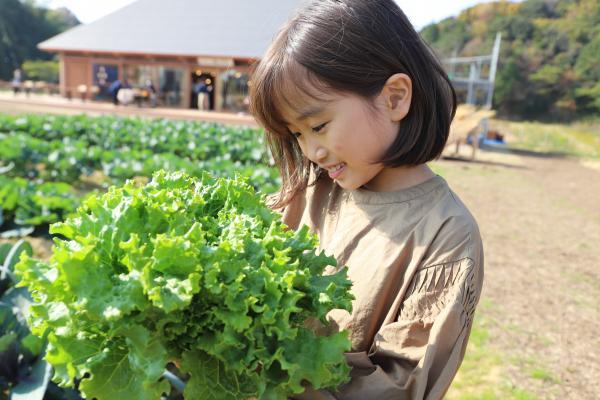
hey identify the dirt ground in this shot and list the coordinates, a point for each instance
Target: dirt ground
(42, 104)
(540, 222)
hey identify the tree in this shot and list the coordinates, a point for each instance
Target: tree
(40, 70)
(22, 26)
(549, 58)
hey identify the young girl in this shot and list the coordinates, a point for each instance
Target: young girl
(354, 105)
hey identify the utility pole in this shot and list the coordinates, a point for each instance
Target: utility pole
(493, 68)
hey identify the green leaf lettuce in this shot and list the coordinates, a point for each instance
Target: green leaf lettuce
(193, 271)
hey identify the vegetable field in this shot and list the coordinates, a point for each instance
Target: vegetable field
(49, 163)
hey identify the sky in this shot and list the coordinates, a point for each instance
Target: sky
(420, 12)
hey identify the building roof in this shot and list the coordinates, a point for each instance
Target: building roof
(222, 28)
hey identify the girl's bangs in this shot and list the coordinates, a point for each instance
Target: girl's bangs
(286, 88)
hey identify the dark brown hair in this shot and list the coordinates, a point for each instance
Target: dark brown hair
(349, 47)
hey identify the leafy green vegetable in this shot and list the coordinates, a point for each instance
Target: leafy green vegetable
(65, 148)
(48, 162)
(193, 271)
(23, 372)
(29, 203)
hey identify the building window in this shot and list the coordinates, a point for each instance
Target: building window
(170, 90)
(235, 91)
(167, 82)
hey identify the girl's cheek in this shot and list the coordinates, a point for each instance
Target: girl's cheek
(301, 147)
(303, 151)
(336, 142)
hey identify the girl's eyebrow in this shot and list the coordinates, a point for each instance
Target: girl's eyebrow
(309, 112)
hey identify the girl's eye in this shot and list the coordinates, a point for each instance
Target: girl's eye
(318, 128)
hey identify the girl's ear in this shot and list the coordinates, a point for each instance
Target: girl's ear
(397, 93)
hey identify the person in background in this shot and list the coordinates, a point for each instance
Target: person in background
(16, 81)
(352, 117)
(28, 85)
(201, 91)
(151, 92)
(113, 90)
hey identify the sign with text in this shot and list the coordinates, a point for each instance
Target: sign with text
(215, 62)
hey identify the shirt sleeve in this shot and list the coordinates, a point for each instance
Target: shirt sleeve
(418, 354)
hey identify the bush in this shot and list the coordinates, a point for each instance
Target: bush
(46, 71)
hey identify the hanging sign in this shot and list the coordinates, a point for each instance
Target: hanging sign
(216, 62)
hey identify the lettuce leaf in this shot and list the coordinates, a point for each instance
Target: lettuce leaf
(196, 271)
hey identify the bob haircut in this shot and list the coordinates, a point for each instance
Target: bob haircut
(348, 47)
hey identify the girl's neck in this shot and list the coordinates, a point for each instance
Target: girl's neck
(394, 179)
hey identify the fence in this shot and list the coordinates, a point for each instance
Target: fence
(37, 87)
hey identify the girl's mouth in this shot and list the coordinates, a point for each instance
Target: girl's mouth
(337, 170)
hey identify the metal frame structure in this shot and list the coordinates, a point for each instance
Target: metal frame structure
(475, 81)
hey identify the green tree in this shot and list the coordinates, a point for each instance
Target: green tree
(587, 69)
(40, 70)
(549, 59)
(22, 26)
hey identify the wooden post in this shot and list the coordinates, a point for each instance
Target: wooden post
(218, 88)
(62, 75)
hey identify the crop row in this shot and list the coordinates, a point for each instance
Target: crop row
(48, 162)
(61, 148)
(187, 139)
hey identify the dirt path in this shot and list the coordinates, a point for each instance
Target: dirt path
(41, 104)
(540, 222)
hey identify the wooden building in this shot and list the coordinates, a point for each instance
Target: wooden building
(173, 45)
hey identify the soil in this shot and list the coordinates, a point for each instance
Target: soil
(540, 222)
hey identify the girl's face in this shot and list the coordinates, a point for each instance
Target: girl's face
(346, 138)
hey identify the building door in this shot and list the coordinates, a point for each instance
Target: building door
(203, 87)
(78, 76)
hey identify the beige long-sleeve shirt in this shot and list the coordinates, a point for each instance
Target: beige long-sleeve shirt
(415, 258)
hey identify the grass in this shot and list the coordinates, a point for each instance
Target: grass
(437, 169)
(589, 289)
(543, 375)
(581, 139)
(482, 373)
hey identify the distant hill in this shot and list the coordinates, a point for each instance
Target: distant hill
(549, 66)
(23, 25)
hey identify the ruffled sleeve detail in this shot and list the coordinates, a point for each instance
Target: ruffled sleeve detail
(417, 355)
(434, 287)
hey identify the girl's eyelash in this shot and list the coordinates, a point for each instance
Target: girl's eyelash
(316, 129)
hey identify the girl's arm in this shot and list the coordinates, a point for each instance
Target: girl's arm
(417, 355)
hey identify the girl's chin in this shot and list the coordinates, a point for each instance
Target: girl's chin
(347, 184)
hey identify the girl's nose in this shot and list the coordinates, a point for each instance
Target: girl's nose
(319, 153)
(316, 151)
(313, 149)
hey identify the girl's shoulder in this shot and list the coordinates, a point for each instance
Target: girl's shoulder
(314, 202)
(453, 232)
(431, 214)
